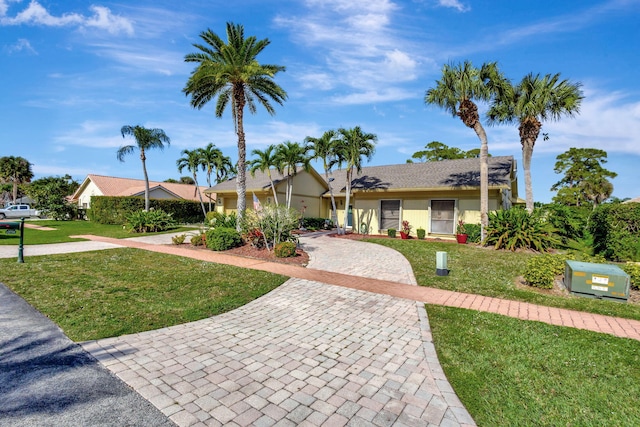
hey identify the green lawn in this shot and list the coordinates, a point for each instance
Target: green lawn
(107, 293)
(64, 229)
(510, 372)
(492, 273)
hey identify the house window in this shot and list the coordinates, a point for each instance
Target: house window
(442, 216)
(389, 214)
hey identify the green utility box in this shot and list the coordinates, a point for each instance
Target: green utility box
(591, 280)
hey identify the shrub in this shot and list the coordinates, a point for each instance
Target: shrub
(391, 232)
(542, 270)
(114, 210)
(633, 270)
(149, 222)
(198, 240)
(516, 228)
(276, 222)
(616, 231)
(421, 233)
(255, 238)
(285, 249)
(218, 219)
(179, 239)
(570, 222)
(222, 238)
(312, 223)
(473, 232)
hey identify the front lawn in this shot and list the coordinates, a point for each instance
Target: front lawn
(510, 372)
(64, 229)
(107, 293)
(488, 272)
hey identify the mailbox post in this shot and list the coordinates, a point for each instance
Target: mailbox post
(11, 228)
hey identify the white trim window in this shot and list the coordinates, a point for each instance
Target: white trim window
(389, 214)
(443, 216)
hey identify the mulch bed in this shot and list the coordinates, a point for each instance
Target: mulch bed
(248, 251)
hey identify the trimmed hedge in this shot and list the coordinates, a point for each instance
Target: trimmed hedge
(114, 210)
(616, 231)
(285, 249)
(223, 238)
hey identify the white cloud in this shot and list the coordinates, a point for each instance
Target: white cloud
(22, 45)
(36, 14)
(455, 4)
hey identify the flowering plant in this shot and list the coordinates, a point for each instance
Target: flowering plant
(406, 228)
(460, 228)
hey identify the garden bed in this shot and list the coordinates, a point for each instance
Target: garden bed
(248, 251)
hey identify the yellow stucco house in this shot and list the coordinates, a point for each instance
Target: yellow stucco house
(431, 195)
(100, 185)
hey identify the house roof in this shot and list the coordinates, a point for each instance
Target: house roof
(113, 186)
(445, 174)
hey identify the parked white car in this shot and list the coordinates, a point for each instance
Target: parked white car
(18, 211)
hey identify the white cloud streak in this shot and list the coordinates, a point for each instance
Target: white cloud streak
(454, 4)
(22, 45)
(36, 14)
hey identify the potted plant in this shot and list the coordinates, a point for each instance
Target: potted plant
(421, 232)
(405, 230)
(461, 232)
(391, 232)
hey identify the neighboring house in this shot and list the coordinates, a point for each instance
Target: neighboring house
(430, 195)
(99, 185)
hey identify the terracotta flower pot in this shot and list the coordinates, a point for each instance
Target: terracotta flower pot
(461, 238)
(404, 235)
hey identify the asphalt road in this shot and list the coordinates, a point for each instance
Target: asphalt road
(48, 380)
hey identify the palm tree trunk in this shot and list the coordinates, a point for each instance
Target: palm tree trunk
(204, 211)
(241, 180)
(527, 153)
(484, 178)
(273, 187)
(334, 215)
(289, 191)
(146, 180)
(347, 201)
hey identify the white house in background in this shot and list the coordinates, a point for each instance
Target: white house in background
(100, 185)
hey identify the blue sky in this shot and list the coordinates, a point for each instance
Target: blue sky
(74, 72)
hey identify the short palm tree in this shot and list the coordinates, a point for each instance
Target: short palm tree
(263, 162)
(290, 155)
(529, 103)
(146, 139)
(231, 72)
(16, 171)
(325, 148)
(351, 147)
(192, 160)
(209, 161)
(455, 92)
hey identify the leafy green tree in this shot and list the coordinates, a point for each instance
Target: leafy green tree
(146, 139)
(585, 181)
(290, 155)
(325, 148)
(231, 72)
(192, 160)
(531, 102)
(264, 161)
(15, 171)
(50, 196)
(455, 92)
(186, 180)
(353, 144)
(436, 151)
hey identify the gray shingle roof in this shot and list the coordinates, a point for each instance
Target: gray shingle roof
(429, 175)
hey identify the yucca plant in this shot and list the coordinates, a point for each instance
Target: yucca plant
(518, 229)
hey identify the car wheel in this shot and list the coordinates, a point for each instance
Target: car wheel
(2, 216)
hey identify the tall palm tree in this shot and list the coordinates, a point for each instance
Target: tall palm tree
(209, 159)
(264, 161)
(325, 148)
(146, 139)
(352, 145)
(192, 160)
(231, 72)
(290, 155)
(529, 103)
(455, 92)
(16, 171)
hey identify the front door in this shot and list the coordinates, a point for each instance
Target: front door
(350, 216)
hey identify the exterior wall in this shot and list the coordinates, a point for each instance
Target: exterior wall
(415, 208)
(158, 193)
(84, 199)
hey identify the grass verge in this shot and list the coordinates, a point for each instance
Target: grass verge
(107, 293)
(64, 229)
(519, 373)
(492, 273)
